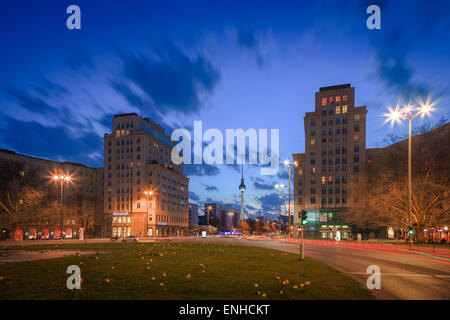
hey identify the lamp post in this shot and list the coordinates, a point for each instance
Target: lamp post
(230, 214)
(148, 194)
(61, 179)
(279, 187)
(409, 112)
(208, 209)
(288, 164)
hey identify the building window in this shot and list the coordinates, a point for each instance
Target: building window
(338, 109)
(356, 169)
(344, 98)
(356, 128)
(331, 99)
(356, 117)
(324, 101)
(356, 148)
(356, 137)
(344, 109)
(338, 99)
(313, 123)
(313, 199)
(324, 180)
(313, 190)
(356, 159)
(313, 141)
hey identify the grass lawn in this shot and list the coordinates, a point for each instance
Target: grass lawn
(176, 271)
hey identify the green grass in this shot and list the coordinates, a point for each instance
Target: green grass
(216, 272)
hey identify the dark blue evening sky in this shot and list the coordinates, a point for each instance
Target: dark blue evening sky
(232, 64)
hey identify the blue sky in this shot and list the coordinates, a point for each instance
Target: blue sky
(231, 64)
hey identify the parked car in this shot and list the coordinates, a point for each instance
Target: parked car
(131, 239)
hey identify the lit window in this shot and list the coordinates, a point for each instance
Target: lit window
(324, 180)
(356, 137)
(331, 100)
(313, 140)
(338, 110)
(324, 101)
(344, 109)
(356, 117)
(338, 99)
(344, 98)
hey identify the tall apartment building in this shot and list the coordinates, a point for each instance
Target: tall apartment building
(82, 196)
(145, 193)
(335, 152)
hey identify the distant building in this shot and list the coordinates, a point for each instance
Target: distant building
(137, 157)
(193, 215)
(284, 220)
(221, 216)
(202, 220)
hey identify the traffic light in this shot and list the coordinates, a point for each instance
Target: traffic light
(304, 220)
(411, 231)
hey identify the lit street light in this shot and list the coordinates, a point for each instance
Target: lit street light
(409, 112)
(61, 179)
(208, 209)
(288, 164)
(148, 194)
(279, 187)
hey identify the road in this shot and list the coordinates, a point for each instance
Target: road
(404, 275)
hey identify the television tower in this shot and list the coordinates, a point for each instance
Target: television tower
(242, 189)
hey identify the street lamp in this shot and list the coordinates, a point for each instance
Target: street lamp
(409, 112)
(148, 195)
(61, 179)
(208, 209)
(230, 214)
(279, 187)
(288, 164)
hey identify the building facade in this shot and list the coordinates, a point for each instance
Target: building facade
(221, 216)
(335, 152)
(82, 195)
(193, 215)
(146, 194)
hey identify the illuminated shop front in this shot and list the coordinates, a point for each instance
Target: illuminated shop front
(333, 232)
(121, 225)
